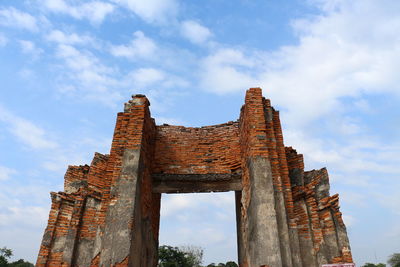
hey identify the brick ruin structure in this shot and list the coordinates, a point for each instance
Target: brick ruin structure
(109, 212)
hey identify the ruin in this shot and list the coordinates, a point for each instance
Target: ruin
(109, 212)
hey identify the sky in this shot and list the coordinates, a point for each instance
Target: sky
(330, 66)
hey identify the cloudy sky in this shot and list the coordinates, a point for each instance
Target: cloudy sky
(330, 66)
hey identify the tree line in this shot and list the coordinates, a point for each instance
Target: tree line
(5, 255)
(394, 261)
(186, 256)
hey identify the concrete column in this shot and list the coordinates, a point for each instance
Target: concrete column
(283, 229)
(295, 247)
(262, 227)
(305, 237)
(48, 236)
(343, 239)
(123, 223)
(88, 248)
(72, 234)
(331, 247)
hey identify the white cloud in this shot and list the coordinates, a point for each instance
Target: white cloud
(330, 61)
(3, 40)
(13, 215)
(86, 75)
(65, 38)
(147, 77)
(359, 153)
(227, 70)
(353, 198)
(144, 77)
(151, 11)
(12, 17)
(94, 11)
(88, 68)
(28, 47)
(5, 173)
(195, 32)
(207, 220)
(391, 201)
(175, 203)
(79, 151)
(140, 47)
(24, 210)
(349, 220)
(26, 131)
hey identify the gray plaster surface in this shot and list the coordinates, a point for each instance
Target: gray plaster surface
(263, 236)
(117, 238)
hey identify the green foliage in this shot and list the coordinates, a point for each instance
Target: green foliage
(20, 263)
(374, 265)
(231, 264)
(228, 264)
(194, 255)
(187, 256)
(5, 255)
(394, 260)
(174, 257)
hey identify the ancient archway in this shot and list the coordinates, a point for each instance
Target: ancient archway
(108, 214)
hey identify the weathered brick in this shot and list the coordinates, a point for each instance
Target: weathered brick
(309, 223)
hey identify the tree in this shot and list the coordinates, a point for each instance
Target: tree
(394, 260)
(20, 263)
(194, 254)
(173, 257)
(186, 256)
(374, 265)
(5, 254)
(231, 264)
(228, 264)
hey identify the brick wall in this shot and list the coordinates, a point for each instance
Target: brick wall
(189, 150)
(306, 214)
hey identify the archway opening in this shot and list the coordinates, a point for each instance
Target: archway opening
(201, 220)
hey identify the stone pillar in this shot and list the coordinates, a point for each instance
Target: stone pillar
(330, 238)
(259, 225)
(48, 236)
(287, 193)
(122, 226)
(263, 234)
(73, 230)
(305, 235)
(130, 235)
(341, 232)
(280, 207)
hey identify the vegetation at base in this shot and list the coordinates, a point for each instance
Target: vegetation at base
(168, 256)
(228, 264)
(173, 257)
(5, 255)
(189, 256)
(394, 260)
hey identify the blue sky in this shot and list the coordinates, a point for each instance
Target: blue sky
(330, 66)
